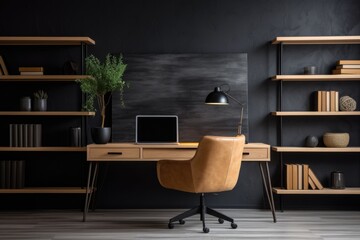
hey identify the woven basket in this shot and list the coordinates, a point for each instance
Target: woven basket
(336, 140)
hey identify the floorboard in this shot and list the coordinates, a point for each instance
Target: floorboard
(152, 224)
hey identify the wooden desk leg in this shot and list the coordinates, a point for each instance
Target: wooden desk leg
(90, 189)
(268, 187)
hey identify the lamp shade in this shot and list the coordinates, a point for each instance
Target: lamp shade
(217, 97)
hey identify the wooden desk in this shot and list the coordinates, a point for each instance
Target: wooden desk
(111, 152)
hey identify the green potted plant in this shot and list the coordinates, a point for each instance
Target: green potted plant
(40, 100)
(105, 78)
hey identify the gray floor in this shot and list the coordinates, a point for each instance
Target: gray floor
(152, 224)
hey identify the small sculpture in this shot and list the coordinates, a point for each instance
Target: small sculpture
(311, 141)
(347, 103)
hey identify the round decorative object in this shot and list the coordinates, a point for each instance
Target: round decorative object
(336, 139)
(347, 103)
(311, 141)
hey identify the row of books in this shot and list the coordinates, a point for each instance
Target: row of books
(31, 70)
(25, 135)
(301, 177)
(12, 174)
(347, 67)
(327, 101)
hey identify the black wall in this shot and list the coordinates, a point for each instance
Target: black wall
(208, 26)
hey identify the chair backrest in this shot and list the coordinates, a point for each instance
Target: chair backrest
(216, 164)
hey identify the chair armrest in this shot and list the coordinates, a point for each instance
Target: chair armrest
(175, 175)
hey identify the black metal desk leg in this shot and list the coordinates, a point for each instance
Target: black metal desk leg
(89, 189)
(268, 187)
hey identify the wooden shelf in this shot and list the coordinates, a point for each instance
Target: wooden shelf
(72, 190)
(346, 191)
(316, 77)
(23, 40)
(42, 149)
(41, 78)
(315, 149)
(315, 113)
(46, 113)
(301, 40)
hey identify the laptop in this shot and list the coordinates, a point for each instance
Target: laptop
(157, 129)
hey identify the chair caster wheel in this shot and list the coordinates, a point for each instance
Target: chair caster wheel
(170, 225)
(233, 225)
(206, 230)
(182, 222)
(221, 220)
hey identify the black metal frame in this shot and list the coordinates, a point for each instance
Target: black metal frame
(279, 71)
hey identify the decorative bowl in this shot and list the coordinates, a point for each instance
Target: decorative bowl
(337, 140)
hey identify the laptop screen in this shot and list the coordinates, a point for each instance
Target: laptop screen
(157, 129)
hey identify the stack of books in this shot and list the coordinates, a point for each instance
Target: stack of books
(31, 70)
(347, 67)
(300, 177)
(12, 174)
(327, 101)
(25, 135)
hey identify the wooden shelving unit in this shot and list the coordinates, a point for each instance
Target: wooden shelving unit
(313, 78)
(58, 190)
(82, 42)
(315, 149)
(46, 41)
(42, 149)
(303, 40)
(280, 78)
(314, 113)
(46, 113)
(325, 191)
(41, 78)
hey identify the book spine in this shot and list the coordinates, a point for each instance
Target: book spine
(336, 101)
(20, 135)
(25, 135)
(15, 135)
(31, 135)
(20, 174)
(300, 175)
(11, 135)
(2, 173)
(289, 184)
(13, 174)
(7, 173)
(295, 177)
(318, 103)
(306, 176)
(37, 135)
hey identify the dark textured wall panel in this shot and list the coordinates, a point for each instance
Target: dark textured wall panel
(163, 84)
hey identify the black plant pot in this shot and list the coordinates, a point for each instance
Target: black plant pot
(101, 135)
(40, 105)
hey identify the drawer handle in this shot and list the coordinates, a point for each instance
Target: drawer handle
(246, 153)
(115, 153)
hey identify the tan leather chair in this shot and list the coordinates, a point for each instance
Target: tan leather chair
(214, 168)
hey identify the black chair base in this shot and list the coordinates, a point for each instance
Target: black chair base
(202, 209)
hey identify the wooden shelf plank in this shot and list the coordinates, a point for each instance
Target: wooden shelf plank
(46, 113)
(30, 40)
(41, 78)
(71, 190)
(315, 149)
(317, 77)
(301, 40)
(346, 191)
(315, 113)
(42, 149)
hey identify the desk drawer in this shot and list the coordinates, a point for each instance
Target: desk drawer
(261, 154)
(113, 153)
(170, 153)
